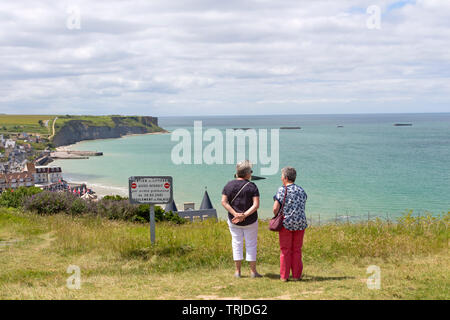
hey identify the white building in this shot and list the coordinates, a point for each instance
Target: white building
(55, 174)
(45, 175)
(10, 144)
(41, 176)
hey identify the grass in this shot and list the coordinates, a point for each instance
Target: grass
(193, 261)
(25, 123)
(92, 120)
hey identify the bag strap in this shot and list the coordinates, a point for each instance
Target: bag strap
(239, 192)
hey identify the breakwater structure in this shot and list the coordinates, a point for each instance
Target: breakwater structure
(69, 154)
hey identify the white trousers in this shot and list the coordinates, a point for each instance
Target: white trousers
(238, 234)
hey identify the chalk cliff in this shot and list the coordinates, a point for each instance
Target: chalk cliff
(72, 131)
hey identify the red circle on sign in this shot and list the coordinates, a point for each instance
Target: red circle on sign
(167, 185)
(133, 185)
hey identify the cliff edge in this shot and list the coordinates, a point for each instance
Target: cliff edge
(72, 129)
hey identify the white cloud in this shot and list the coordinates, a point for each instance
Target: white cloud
(197, 56)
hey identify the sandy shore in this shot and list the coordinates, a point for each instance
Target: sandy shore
(143, 134)
(66, 155)
(102, 191)
(64, 148)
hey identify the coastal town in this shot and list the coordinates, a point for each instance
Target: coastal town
(24, 162)
(30, 143)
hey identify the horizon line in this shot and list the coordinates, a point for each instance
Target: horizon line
(226, 115)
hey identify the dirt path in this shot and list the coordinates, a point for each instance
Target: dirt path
(53, 129)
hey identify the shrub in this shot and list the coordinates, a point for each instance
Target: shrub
(48, 203)
(173, 217)
(160, 215)
(114, 197)
(78, 206)
(116, 209)
(16, 198)
(110, 207)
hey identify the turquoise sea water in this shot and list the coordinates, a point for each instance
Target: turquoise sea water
(369, 165)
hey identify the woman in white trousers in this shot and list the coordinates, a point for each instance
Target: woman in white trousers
(240, 198)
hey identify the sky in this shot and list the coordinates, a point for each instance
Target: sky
(199, 57)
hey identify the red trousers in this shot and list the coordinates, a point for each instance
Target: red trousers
(291, 243)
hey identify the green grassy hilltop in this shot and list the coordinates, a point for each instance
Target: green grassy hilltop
(41, 124)
(67, 129)
(194, 260)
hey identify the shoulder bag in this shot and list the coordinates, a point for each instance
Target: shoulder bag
(276, 223)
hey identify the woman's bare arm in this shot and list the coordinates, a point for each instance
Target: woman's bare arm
(227, 206)
(253, 208)
(250, 211)
(276, 207)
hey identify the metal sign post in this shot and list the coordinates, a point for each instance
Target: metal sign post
(152, 224)
(151, 190)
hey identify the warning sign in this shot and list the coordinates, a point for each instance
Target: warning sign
(151, 189)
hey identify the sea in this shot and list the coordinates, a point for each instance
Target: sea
(351, 166)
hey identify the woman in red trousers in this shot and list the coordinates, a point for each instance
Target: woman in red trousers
(291, 199)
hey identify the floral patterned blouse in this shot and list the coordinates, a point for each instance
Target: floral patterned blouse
(294, 207)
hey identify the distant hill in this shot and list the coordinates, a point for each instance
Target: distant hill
(72, 129)
(12, 123)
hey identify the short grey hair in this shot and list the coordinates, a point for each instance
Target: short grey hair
(289, 173)
(243, 169)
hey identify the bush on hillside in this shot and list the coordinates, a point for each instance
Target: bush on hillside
(160, 214)
(114, 197)
(141, 212)
(114, 207)
(116, 210)
(15, 198)
(48, 203)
